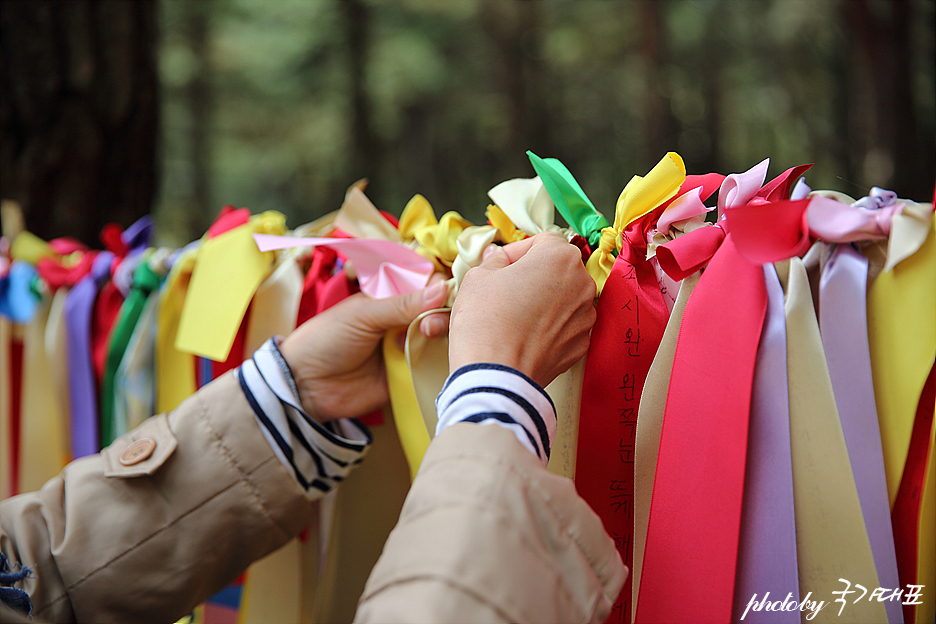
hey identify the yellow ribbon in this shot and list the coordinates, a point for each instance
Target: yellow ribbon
(499, 219)
(437, 239)
(227, 272)
(409, 423)
(640, 196)
(175, 370)
(30, 248)
(902, 340)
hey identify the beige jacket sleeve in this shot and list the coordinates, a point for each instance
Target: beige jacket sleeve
(489, 535)
(148, 541)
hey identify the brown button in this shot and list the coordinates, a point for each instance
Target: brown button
(138, 451)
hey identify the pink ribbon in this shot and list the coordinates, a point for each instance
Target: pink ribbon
(384, 268)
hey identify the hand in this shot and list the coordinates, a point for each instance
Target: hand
(528, 305)
(335, 358)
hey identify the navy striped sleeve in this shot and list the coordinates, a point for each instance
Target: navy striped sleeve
(318, 456)
(493, 394)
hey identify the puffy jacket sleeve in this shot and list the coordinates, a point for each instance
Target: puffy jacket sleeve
(487, 534)
(145, 540)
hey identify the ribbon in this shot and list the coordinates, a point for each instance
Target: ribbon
(844, 330)
(630, 322)
(135, 387)
(902, 336)
(384, 268)
(649, 424)
(767, 551)
(694, 524)
(56, 343)
(82, 387)
(145, 282)
(832, 541)
(526, 203)
(569, 198)
(43, 430)
(175, 369)
(8, 478)
(17, 300)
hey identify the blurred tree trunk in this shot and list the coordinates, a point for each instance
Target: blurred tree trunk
(365, 147)
(661, 125)
(891, 152)
(198, 94)
(79, 113)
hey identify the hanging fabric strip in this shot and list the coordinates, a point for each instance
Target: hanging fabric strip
(145, 282)
(832, 541)
(630, 322)
(694, 524)
(82, 386)
(902, 335)
(409, 423)
(649, 424)
(6, 404)
(43, 433)
(56, 342)
(175, 370)
(908, 505)
(844, 329)
(767, 553)
(569, 198)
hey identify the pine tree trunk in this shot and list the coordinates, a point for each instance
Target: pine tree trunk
(79, 113)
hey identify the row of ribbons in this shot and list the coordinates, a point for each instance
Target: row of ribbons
(754, 414)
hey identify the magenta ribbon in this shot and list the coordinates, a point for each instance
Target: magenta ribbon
(844, 329)
(79, 305)
(767, 553)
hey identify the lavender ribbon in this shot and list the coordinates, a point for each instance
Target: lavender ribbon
(767, 551)
(79, 305)
(844, 329)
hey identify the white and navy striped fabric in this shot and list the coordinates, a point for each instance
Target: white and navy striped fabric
(319, 456)
(493, 394)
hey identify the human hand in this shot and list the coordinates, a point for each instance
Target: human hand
(334, 356)
(528, 305)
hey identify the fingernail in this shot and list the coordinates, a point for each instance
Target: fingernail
(433, 292)
(490, 249)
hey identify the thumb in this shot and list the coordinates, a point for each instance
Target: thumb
(499, 257)
(400, 310)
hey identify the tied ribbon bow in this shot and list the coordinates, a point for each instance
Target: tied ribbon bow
(569, 198)
(695, 520)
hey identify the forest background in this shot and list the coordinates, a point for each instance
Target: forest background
(112, 109)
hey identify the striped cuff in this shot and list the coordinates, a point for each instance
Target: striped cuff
(319, 456)
(493, 394)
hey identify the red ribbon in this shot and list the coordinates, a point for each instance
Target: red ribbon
(631, 318)
(905, 516)
(695, 513)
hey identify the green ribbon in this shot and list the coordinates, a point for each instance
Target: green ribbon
(145, 282)
(570, 199)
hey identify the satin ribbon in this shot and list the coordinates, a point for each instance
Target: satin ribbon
(767, 550)
(694, 523)
(569, 198)
(844, 330)
(17, 300)
(227, 272)
(43, 431)
(13, 434)
(649, 424)
(908, 504)
(526, 203)
(82, 387)
(175, 369)
(832, 540)
(145, 282)
(902, 335)
(56, 346)
(135, 384)
(436, 239)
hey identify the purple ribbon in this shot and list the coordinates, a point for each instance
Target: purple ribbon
(79, 305)
(767, 552)
(844, 327)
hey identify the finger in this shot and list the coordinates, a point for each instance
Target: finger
(434, 325)
(504, 256)
(382, 314)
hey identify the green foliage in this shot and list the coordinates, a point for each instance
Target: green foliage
(453, 93)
